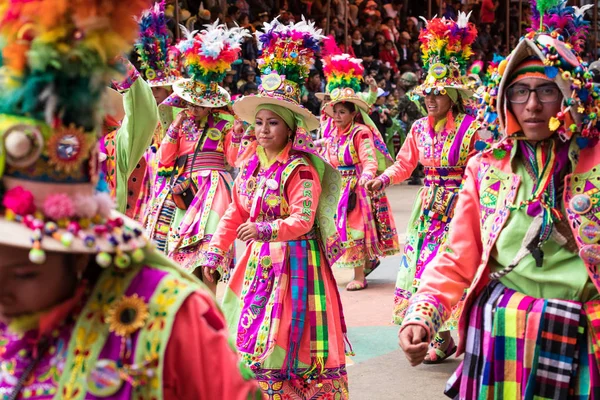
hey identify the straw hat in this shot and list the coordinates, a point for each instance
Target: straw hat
(287, 54)
(446, 48)
(207, 55)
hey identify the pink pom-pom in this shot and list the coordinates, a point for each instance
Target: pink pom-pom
(58, 206)
(19, 201)
(85, 206)
(105, 204)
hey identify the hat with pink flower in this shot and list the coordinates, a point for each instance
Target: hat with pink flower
(57, 64)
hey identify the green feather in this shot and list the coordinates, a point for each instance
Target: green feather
(543, 6)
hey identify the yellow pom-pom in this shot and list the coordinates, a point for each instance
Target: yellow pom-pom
(554, 124)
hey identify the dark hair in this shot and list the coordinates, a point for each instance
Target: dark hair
(348, 105)
(232, 10)
(387, 19)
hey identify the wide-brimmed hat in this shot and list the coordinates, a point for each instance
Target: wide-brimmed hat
(49, 164)
(288, 52)
(207, 56)
(446, 48)
(158, 59)
(197, 93)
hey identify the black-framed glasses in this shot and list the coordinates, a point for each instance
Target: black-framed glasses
(545, 94)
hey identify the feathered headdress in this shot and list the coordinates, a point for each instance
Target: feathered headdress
(341, 70)
(206, 56)
(288, 50)
(154, 47)
(58, 57)
(287, 54)
(446, 49)
(487, 113)
(558, 16)
(53, 52)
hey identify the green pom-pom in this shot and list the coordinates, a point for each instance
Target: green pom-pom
(37, 256)
(122, 261)
(103, 259)
(138, 256)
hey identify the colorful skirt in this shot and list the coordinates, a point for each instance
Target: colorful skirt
(521, 347)
(365, 223)
(427, 231)
(283, 308)
(184, 234)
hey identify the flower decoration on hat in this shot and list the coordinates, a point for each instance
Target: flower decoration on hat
(344, 75)
(287, 55)
(157, 61)
(554, 43)
(58, 58)
(207, 56)
(446, 49)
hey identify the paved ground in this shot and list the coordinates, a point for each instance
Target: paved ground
(379, 370)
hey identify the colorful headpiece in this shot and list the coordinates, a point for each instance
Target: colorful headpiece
(446, 48)
(58, 58)
(206, 57)
(344, 74)
(487, 114)
(158, 60)
(562, 64)
(287, 54)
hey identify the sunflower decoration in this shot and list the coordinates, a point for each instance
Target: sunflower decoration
(68, 148)
(127, 315)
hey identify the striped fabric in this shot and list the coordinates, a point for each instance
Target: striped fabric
(521, 347)
(164, 223)
(319, 344)
(299, 292)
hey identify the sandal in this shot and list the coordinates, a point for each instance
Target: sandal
(355, 286)
(435, 355)
(374, 264)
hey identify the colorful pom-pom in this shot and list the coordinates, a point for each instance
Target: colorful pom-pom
(103, 259)
(58, 206)
(37, 256)
(19, 201)
(137, 256)
(122, 261)
(85, 206)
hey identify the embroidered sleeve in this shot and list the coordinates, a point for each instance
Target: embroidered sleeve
(267, 231)
(407, 158)
(169, 148)
(363, 141)
(426, 311)
(216, 259)
(385, 180)
(131, 76)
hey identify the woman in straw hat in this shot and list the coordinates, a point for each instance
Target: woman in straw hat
(527, 242)
(442, 142)
(282, 301)
(188, 204)
(87, 310)
(131, 140)
(355, 147)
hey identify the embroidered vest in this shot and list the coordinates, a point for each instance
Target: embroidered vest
(83, 359)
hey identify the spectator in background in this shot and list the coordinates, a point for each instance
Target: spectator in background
(243, 7)
(248, 76)
(452, 9)
(488, 11)
(389, 55)
(412, 28)
(389, 30)
(249, 88)
(262, 18)
(228, 83)
(380, 113)
(404, 50)
(308, 93)
(233, 16)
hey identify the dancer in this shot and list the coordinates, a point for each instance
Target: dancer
(442, 143)
(282, 301)
(87, 309)
(355, 147)
(197, 191)
(527, 241)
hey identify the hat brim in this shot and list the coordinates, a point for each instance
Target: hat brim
(322, 96)
(360, 103)
(464, 92)
(169, 81)
(15, 234)
(215, 100)
(245, 108)
(525, 49)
